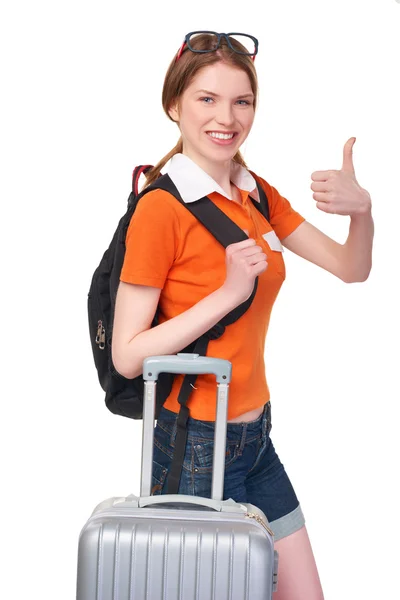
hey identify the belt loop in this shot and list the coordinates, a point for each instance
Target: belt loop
(264, 420)
(243, 440)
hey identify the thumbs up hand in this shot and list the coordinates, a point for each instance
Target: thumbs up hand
(339, 192)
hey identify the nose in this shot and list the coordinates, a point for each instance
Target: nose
(225, 115)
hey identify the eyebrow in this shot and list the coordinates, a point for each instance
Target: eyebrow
(248, 95)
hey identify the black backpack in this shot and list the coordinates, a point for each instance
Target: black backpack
(125, 396)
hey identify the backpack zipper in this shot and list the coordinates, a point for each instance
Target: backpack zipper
(101, 335)
(100, 339)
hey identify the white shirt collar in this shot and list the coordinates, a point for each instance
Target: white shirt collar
(194, 183)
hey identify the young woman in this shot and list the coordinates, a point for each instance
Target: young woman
(210, 91)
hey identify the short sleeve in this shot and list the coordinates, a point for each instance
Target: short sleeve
(283, 218)
(151, 240)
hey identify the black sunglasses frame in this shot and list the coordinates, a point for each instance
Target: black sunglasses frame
(219, 37)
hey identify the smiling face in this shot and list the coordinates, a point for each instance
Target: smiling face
(217, 104)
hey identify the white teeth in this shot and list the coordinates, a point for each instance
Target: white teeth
(221, 136)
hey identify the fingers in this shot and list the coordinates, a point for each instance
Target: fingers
(322, 186)
(252, 251)
(247, 248)
(324, 175)
(240, 245)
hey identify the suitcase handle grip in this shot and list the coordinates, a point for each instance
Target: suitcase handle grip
(181, 499)
(187, 364)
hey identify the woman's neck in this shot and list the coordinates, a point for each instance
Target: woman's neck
(219, 171)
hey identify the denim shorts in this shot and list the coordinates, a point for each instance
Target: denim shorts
(253, 471)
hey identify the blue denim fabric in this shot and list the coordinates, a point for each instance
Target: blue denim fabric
(253, 471)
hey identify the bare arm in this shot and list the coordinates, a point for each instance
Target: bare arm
(133, 340)
(338, 192)
(351, 262)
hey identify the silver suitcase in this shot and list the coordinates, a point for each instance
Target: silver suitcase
(178, 547)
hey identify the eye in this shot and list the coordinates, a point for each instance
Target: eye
(204, 98)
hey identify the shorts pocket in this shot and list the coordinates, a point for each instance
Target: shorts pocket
(159, 478)
(164, 450)
(162, 440)
(203, 454)
(161, 471)
(261, 449)
(166, 426)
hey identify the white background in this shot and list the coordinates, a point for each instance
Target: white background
(81, 106)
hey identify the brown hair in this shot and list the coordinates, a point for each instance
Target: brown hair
(181, 73)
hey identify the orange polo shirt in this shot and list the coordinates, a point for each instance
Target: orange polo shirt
(166, 247)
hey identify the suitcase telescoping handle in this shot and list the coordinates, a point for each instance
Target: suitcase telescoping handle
(184, 364)
(187, 364)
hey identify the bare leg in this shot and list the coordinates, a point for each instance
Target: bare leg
(298, 577)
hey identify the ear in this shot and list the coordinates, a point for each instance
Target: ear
(174, 112)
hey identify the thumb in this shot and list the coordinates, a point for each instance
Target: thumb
(348, 156)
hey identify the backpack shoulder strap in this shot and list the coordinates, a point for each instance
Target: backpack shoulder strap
(213, 218)
(137, 172)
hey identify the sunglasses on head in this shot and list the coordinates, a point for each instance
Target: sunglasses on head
(248, 42)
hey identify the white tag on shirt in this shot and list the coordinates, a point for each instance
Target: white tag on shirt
(273, 241)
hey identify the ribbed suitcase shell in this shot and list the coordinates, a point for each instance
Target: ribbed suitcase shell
(177, 547)
(161, 553)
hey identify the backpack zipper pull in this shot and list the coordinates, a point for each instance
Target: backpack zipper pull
(101, 335)
(102, 339)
